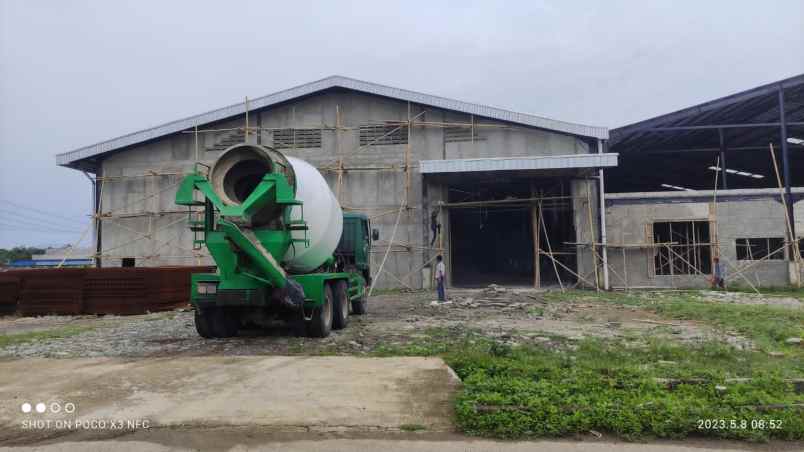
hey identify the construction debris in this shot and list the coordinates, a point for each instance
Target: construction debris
(494, 296)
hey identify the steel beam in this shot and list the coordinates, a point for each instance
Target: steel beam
(722, 126)
(708, 150)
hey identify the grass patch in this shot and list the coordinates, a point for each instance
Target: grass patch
(527, 392)
(434, 342)
(782, 291)
(620, 386)
(623, 298)
(532, 391)
(412, 427)
(36, 336)
(768, 326)
(536, 310)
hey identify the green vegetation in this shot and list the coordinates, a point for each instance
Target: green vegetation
(526, 392)
(768, 326)
(782, 291)
(34, 336)
(635, 387)
(18, 252)
(412, 427)
(434, 341)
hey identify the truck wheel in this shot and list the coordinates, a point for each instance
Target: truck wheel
(224, 323)
(341, 312)
(202, 323)
(360, 306)
(321, 323)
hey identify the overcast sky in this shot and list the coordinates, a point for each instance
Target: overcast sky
(76, 72)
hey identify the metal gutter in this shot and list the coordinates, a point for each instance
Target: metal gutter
(547, 162)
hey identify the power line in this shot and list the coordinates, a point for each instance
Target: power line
(16, 223)
(40, 223)
(41, 227)
(41, 212)
(4, 227)
(10, 216)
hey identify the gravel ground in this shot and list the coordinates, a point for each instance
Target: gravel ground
(513, 316)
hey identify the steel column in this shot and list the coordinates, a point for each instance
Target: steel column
(786, 172)
(601, 189)
(722, 158)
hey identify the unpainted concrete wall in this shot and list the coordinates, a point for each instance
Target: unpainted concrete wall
(154, 231)
(738, 214)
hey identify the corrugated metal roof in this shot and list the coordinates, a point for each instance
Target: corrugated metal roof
(67, 158)
(519, 163)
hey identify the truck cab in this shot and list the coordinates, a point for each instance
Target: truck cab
(353, 253)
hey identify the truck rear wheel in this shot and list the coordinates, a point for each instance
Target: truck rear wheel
(202, 323)
(224, 323)
(321, 323)
(360, 305)
(341, 312)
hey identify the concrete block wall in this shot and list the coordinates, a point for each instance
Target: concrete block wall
(583, 192)
(755, 213)
(378, 193)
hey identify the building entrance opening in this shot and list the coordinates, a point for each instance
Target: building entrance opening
(493, 225)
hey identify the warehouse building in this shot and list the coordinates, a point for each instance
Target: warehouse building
(506, 197)
(435, 175)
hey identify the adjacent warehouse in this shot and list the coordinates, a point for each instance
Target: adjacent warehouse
(506, 197)
(704, 182)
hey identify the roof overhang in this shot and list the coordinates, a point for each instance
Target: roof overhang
(547, 162)
(73, 158)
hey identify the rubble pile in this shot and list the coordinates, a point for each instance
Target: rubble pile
(495, 296)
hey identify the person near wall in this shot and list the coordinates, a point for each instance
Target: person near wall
(440, 275)
(718, 274)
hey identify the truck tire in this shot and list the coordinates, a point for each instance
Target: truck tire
(360, 306)
(341, 309)
(321, 323)
(224, 323)
(202, 323)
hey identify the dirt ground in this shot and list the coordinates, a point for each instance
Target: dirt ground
(516, 316)
(151, 365)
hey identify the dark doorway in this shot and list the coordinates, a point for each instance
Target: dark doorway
(128, 262)
(492, 233)
(492, 245)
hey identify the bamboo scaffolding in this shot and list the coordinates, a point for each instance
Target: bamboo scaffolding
(592, 234)
(550, 249)
(387, 251)
(795, 251)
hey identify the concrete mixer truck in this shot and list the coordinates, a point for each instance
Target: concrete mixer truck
(284, 249)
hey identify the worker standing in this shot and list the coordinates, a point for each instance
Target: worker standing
(440, 274)
(718, 275)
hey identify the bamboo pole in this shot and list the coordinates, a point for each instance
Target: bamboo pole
(549, 248)
(535, 226)
(387, 251)
(592, 233)
(796, 252)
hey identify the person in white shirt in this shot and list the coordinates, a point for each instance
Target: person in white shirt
(440, 274)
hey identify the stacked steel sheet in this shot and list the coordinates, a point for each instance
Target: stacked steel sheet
(51, 291)
(121, 291)
(9, 292)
